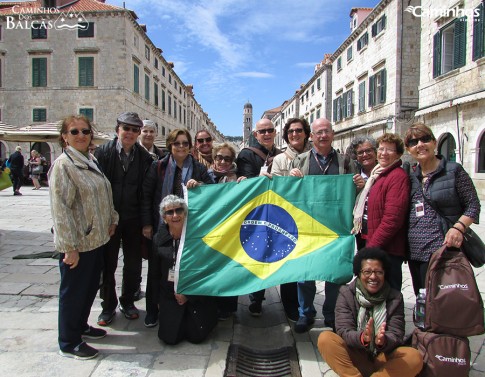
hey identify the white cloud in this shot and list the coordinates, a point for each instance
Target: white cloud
(258, 75)
(306, 64)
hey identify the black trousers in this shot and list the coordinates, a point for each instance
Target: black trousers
(16, 176)
(77, 292)
(418, 274)
(129, 233)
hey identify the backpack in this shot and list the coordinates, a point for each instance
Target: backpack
(443, 354)
(453, 302)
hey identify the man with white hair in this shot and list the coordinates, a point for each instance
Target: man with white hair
(149, 132)
(16, 161)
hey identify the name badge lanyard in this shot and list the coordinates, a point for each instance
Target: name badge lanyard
(327, 164)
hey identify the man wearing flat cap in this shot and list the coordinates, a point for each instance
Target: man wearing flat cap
(125, 163)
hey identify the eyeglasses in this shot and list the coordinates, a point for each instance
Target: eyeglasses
(265, 131)
(179, 211)
(84, 131)
(183, 144)
(382, 150)
(368, 273)
(135, 130)
(422, 139)
(322, 132)
(204, 140)
(365, 151)
(220, 157)
(295, 131)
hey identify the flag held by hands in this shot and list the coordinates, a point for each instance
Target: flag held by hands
(243, 237)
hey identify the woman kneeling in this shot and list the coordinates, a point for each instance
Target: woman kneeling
(369, 320)
(181, 317)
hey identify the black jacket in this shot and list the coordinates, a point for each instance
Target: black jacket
(126, 186)
(152, 188)
(16, 160)
(249, 163)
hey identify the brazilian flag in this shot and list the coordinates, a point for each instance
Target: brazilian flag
(243, 237)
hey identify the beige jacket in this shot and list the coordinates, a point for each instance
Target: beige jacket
(81, 204)
(281, 162)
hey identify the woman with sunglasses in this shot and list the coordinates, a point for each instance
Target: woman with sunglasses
(381, 207)
(296, 133)
(203, 148)
(369, 321)
(165, 177)
(84, 220)
(181, 317)
(224, 170)
(444, 202)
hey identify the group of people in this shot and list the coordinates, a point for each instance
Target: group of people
(16, 162)
(138, 201)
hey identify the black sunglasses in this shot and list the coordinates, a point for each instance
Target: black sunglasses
(84, 131)
(170, 212)
(135, 130)
(265, 131)
(179, 144)
(202, 140)
(296, 131)
(422, 139)
(220, 157)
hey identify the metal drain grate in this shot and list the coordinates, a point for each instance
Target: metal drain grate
(244, 362)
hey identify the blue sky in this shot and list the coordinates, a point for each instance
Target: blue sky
(233, 51)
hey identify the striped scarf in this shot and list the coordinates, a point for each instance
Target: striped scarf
(371, 306)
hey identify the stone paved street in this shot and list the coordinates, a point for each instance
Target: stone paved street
(28, 309)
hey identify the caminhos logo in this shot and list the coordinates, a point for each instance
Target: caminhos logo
(454, 360)
(463, 287)
(418, 11)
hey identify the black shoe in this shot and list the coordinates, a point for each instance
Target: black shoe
(106, 317)
(94, 333)
(81, 352)
(138, 294)
(130, 311)
(293, 317)
(256, 308)
(330, 324)
(303, 324)
(151, 320)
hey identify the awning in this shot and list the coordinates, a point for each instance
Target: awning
(451, 103)
(48, 132)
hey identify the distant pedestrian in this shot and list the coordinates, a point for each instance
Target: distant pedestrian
(36, 168)
(16, 161)
(84, 220)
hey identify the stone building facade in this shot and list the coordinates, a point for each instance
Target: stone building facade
(452, 81)
(101, 64)
(375, 73)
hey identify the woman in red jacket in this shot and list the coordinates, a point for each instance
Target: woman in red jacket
(381, 209)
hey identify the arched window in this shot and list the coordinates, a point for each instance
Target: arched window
(447, 147)
(481, 154)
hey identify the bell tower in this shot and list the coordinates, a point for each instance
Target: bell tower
(247, 123)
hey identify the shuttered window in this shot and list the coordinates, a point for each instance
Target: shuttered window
(136, 79)
(479, 32)
(39, 115)
(86, 71)
(39, 72)
(449, 47)
(377, 88)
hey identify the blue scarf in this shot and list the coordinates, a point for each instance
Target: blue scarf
(187, 171)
